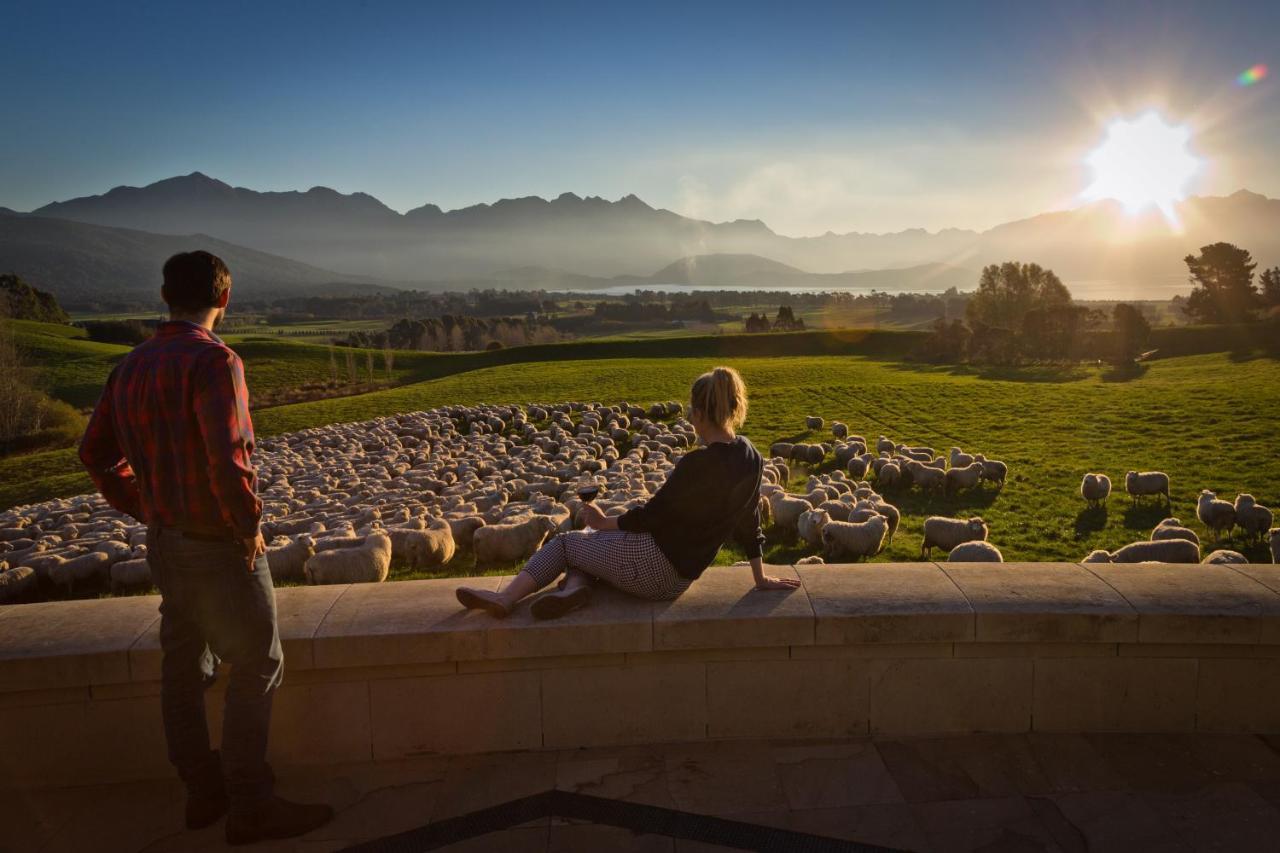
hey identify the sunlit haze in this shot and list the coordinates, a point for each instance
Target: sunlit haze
(1143, 162)
(812, 117)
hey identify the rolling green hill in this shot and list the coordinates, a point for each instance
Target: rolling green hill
(1051, 425)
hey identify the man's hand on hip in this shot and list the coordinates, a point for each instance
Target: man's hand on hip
(254, 547)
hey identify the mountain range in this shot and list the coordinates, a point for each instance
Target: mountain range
(572, 241)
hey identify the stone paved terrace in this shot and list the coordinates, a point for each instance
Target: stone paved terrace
(1015, 702)
(995, 792)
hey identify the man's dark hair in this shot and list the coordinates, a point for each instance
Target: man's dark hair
(194, 281)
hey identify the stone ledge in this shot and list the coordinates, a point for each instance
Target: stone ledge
(112, 641)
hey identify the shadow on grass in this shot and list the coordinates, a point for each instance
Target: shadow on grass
(1090, 520)
(1146, 515)
(1125, 372)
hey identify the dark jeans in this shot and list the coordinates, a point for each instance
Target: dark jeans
(213, 608)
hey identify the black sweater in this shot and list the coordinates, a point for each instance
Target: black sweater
(713, 494)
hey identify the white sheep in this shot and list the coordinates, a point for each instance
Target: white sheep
(509, 543)
(463, 526)
(787, 510)
(891, 514)
(1252, 517)
(1215, 514)
(975, 552)
(286, 561)
(993, 470)
(928, 478)
(1160, 551)
(1171, 528)
(1224, 557)
(1095, 489)
(810, 525)
(1141, 484)
(858, 540)
(368, 562)
(17, 584)
(947, 533)
(811, 560)
(422, 546)
(967, 477)
(1097, 555)
(839, 430)
(78, 569)
(960, 459)
(812, 422)
(885, 445)
(781, 448)
(889, 475)
(130, 574)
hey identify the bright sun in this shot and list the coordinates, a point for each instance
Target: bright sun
(1142, 163)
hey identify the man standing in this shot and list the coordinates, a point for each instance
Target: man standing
(170, 444)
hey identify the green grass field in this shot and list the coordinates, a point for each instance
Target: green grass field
(1208, 420)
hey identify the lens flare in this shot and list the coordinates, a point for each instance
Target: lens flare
(1256, 74)
(1143, 162)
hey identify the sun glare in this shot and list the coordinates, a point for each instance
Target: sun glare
(1141, 163)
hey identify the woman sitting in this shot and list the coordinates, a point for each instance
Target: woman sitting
(657, 550)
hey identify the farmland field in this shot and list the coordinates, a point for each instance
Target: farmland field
(1208, 420)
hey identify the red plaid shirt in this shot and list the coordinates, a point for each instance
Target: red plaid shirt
(170, 440)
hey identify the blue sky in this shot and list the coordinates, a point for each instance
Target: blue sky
(810, 116)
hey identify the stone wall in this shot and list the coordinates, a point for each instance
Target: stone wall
(379, 671)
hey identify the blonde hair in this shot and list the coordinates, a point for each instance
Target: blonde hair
(721, 397)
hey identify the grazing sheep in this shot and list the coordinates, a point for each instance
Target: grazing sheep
(993, 470)
(510, 543)
(1252, 517)
(975, 552)
(929, 479)
(838, 510)
(960, 459)
(17, 584)
(1146, 483)
(889, 475)
(947, 533)
(1095, 489)
(787, 510)
(1171, 528)
(810, 525)
(81, 568)
(858, 540)
(839, 430)
(811, 560)
(891, 514)
(423, 546)
(368, 562)
(1217, 515)
(463, 528)
(287, 561)
(967, 477)
(781, 448)
(1160, 551)
(857, 467)
(885, 445)
(1224, 557)
(812, 422)
(130, 574)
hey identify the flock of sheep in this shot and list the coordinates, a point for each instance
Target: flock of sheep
(341, 503)
(1173, 542)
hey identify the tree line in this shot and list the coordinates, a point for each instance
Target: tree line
(1023, 312)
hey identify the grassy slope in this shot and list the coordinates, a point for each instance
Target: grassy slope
(1183, 416)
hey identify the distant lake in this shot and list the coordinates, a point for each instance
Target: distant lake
(1087, 291)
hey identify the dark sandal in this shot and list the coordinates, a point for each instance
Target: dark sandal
(471, 601)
